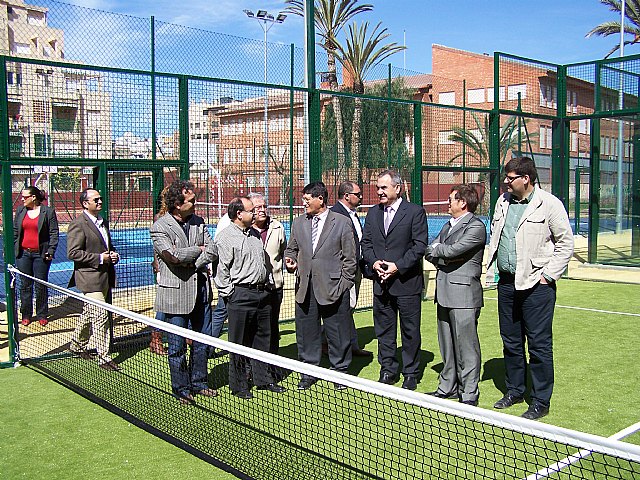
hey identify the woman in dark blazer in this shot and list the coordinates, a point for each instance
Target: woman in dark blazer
(35, 237)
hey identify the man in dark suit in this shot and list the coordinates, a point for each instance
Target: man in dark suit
(393, 244)
(349, 199)
(457, 254)
(89, 247)
(179, 237)
(322, 252)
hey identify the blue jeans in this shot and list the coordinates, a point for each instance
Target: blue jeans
(218, 317)
(33, 264)
(192, 376)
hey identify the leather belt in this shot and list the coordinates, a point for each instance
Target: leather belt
(31, 250)
(261, 287)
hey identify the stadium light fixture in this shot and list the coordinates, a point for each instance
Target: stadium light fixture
(266, 21)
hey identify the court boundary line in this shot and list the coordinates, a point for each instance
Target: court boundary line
(568, 461)
(585, 309)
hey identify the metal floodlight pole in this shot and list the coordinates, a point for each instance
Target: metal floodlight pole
(619, 195)
(266, 21)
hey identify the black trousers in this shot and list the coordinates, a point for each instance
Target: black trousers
(249, 314)
(275, 300)
(527, 315)
(386, 308)
(336, 319)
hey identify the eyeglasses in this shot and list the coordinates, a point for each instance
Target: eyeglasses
(451, 199)
(357, 194)
(96, 200)
(252, 211)
(512, 179)
(259, 207)
(24, 197)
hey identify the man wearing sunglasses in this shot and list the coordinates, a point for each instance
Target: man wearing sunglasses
(530, 247)
(90, 248)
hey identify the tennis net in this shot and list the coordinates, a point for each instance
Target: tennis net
(367, 430)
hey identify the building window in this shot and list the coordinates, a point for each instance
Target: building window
(546, 137)
(36, 18)
(514, 90)
(574, 141)
(22, 48)
(475, 95)
(548, 96)
(447, 98)
(444, 137)
(584, 126)
(501, 94)
(572, 101)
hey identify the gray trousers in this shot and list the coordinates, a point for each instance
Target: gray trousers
(460, 350)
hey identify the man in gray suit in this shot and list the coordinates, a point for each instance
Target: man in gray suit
(322, 252)
(457, 254)
(179, 238)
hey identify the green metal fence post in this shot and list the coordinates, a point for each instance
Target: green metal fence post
(560, 150)
(183, 124)
(153, 89)
(494, 138)
(291, 152)
(594, 173)
(389, 142)
(416, 180)
(576, 220)
(7, 210)
(635, 193)
(315, 154)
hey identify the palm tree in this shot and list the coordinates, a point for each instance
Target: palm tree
(363, 50)
(476, 140)
(631, 13)
(330, 17)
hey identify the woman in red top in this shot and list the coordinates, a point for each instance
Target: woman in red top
(35, 236)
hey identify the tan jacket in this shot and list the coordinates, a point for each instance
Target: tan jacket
(274, 247)
(544, 241)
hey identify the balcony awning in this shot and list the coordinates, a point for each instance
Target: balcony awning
(68, 104)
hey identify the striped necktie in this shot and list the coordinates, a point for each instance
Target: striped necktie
(314, 232)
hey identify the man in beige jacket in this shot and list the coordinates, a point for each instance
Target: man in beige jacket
(274, 240)
(530, 248)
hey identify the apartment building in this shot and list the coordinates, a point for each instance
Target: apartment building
(53, 111)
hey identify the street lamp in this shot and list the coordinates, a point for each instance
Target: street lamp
(45, 74)
(266, 21)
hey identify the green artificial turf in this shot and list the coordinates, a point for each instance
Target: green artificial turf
(597, 391)
(49, 432)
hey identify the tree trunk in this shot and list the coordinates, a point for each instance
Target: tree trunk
(337, 110)
(355, 136)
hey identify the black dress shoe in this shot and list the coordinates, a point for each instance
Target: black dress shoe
(339, 386)
(388, 378)
(272, 387)
(360, 352)
(244, 394)
(110, 366)
(508, 401)
(410, 382)
(439, 394)
(535, 411)
(470, 402)
(306, 383)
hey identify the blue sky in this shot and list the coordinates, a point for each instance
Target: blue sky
(550, 30)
